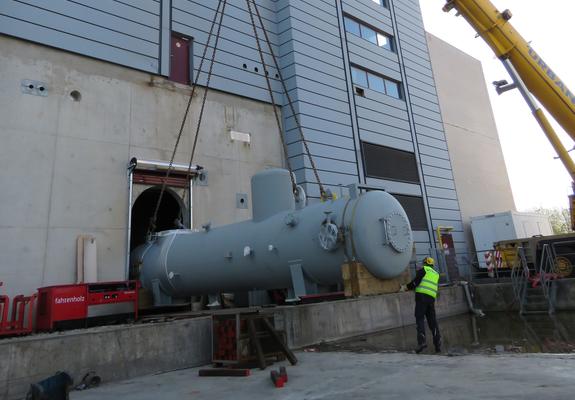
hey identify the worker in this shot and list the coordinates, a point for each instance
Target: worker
(426, 288)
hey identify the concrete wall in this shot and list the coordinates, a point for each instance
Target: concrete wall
(63, 162)
(313, 323)
(114, 353)
(500, 297)
(479, 169)
(122, 352)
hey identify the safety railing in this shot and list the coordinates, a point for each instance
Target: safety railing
(546, 270)
(520, 277)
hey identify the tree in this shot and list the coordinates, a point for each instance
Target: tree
(558, 217)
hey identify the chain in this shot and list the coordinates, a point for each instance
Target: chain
(268, 83)
(154, 218)
(323, 193)
(204, 98)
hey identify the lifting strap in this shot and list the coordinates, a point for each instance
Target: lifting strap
(323, 194)
(222, 4)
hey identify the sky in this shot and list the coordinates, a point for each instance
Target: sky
(537, 179)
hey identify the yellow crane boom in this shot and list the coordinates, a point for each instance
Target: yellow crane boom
(531, 75)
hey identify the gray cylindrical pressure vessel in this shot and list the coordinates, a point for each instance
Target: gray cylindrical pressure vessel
(258, 254)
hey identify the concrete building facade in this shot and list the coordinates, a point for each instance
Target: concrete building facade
(358, 71)
(479, 169)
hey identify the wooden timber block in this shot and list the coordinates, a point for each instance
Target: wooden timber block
(358, 281)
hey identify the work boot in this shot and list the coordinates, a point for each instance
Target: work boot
(437, 344)
(420, 348)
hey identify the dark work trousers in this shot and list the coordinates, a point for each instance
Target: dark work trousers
(425, 309)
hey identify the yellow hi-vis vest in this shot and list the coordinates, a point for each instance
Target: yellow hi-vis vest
(429, 283)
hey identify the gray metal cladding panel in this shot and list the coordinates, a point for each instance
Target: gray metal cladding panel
(384, 138)
(308, 88)
(419, 64)
(376, 99)
(376, 107)
(325, 112)
(423, 121)
(236, 47)
(323, 150)
(444, 173)
(445, 204)
(423, 94)
(311, 36)
(424, 104)
(431, 181)
(248, 79)
(421, 237)
(364, 49)
(345, 142)
(332, 178)
(427, 113)
(142, 25)
(380, 128)
(235, 10)
(379, 118)
(428, 125)
(432, 151)
(322, 39)
(50, 37)
(387, 69)
(442, 193)
(413, 53)
(435, 162)
(396, 187)
(315, 123)
(312, 68)
(426, 77)
(325, 164)
(131, 40)
(437, 143)
(327, 30)
(325, 99)
(300, 37)
(369, 12)
(430, 132)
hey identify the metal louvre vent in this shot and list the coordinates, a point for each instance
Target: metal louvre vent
(387, 163)
(415, 211)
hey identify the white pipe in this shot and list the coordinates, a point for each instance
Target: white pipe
(131, 167)
(162, 165)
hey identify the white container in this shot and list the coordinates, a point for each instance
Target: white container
(488, 229)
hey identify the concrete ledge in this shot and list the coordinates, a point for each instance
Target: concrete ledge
(127, 351)
(310, 324)
(115, 353)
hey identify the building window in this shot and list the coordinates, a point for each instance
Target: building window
(181, 59)
(387, 163)
(359, 77)
(374, 36)
(415, 210)
(382, 3)
(375, 82)
(352, 26)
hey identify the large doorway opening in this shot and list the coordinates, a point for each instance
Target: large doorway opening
(171, 214)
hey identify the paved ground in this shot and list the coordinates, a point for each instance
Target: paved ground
(345, 375)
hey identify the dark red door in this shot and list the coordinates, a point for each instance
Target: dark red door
(180, 59)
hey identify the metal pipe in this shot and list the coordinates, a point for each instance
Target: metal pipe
(131, 167)
(190, 205)
(162, 165)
